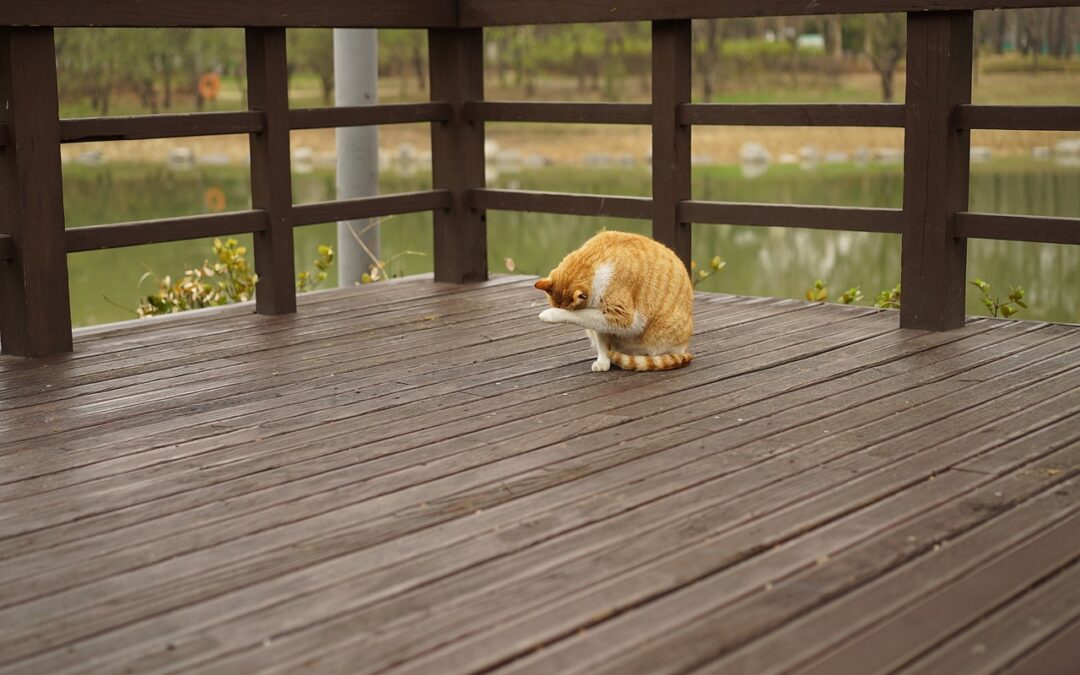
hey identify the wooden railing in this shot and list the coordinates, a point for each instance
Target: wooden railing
(937, 117)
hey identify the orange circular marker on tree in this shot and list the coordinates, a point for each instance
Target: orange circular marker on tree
(214, 198)
(209, 86)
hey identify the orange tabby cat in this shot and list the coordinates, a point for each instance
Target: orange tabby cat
(632, 296)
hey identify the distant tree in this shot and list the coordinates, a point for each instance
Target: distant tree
(89, 64)
(403, 54)
(708, 36)
(635, 53)
(886, 39)
(312, 50)
(834, 37)
(1033, 27)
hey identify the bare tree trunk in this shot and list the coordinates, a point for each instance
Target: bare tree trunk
(999, 32)
(167, 73)
(834, 36)
(418, 67)
(887, 85)
(707, 60)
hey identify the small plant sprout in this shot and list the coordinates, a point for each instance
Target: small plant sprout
(1013, 304)
(819, 292)
(698, 275)
(309, 280)
(853, 294)
(888, 299)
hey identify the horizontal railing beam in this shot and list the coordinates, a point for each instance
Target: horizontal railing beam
(7, 247)
(214, 13)
(588, 113)
(474, 13)
(162, 230)
(561, 203)
(136, 127)
(1018, 228)
(794, 115)
(1018, 117)
(371, 207)
(859, 219)
(367, 115)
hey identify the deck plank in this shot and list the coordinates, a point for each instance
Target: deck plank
(1059, 654)
(422, 475)
(1011, 631)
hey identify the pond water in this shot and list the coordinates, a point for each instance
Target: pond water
(760, 261)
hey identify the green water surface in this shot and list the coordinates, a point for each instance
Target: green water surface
(761, 261)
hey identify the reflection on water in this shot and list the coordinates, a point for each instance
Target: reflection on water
(760, 261)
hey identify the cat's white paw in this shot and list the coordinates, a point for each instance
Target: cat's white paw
(599, 366)
(550, 315)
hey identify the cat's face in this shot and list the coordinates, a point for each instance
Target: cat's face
(565, 291)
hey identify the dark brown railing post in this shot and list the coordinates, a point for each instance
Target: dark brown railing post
(936, 158)
(271, 178)
(671, 54)
(457, 153)
(35, 312)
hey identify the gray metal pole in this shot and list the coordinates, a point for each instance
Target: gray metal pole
(356, 81)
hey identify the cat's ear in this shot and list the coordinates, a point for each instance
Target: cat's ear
(544, 284)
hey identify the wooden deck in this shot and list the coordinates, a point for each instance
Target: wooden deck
(423, 478)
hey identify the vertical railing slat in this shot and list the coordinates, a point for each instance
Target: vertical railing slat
(271, 179)
(936, 162)
(35, 311)
(671, 72)
(457, 153)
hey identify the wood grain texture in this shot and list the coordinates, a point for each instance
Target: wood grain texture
(1018, 228)
(779, 215)
(164, 229)
(89, 129)
(271, 178)
(7, 247)
(933, 262)
(1019, 117)
(371, 207)
(794, 115)
(1059, 654)
(456, 63)
(523, 12)
(561, 202)
(236, 14)
(591, 113)
(35, 318)
(463, 486)
(956, 605)
(671, 88)
(355, 116)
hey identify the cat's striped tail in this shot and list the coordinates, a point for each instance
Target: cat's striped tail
(658, 362)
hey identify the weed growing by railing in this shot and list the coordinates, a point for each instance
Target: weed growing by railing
(890, 299)
(229, 279)
(699, 275)
(819, 292)
(994, 304)
(379, 269)
(309, 280)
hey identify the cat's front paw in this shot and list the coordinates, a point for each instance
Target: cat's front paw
(551, 315)
(599, 366)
